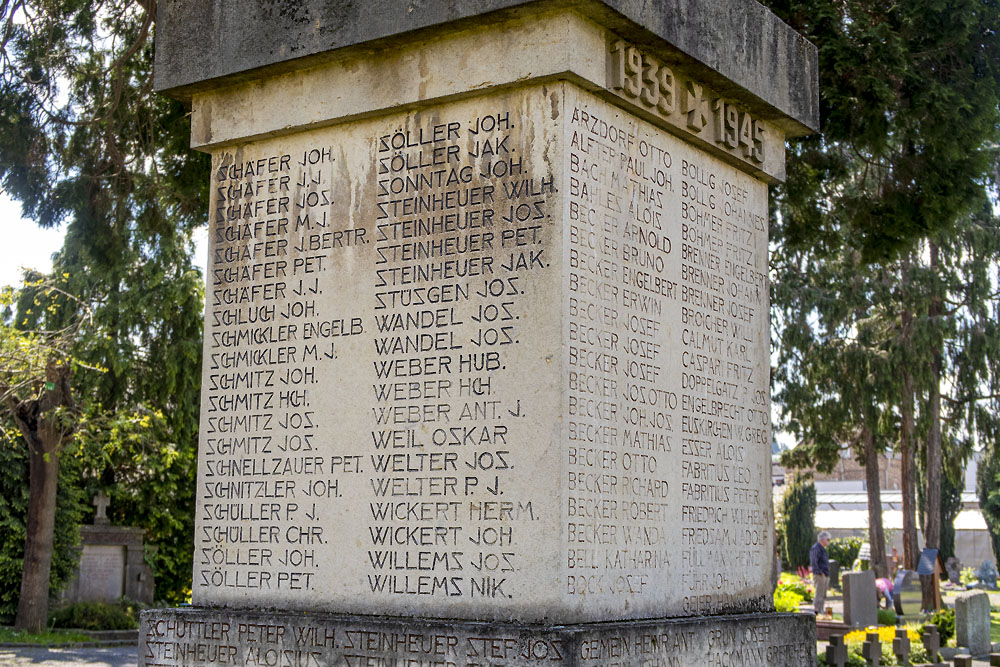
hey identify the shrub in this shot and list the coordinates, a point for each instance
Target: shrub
(944, 619)
(121, 615)
(844, 550)
(887, 617)
(968, 576)
(786, 600)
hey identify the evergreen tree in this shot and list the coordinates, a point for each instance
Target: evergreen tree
(85, 143)
(798, 521)
(909, 119)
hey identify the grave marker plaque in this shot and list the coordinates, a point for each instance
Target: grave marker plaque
(102, 572)
(492, 351)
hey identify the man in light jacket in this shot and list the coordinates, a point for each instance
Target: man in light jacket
(819, 561)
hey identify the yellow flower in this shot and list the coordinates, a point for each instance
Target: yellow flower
(886, 633)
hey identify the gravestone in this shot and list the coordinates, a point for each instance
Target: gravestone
(907, 594)
(871, 649)
(111, 564)
(836, 652)
(486, 331)
(972, 621)
(931, 639)
(860, 602)
(901, 647)
(954, 568)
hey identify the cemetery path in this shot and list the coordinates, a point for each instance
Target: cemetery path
(40, 656)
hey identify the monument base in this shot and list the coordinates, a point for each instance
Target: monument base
(203, 636)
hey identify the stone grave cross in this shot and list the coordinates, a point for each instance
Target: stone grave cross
(836, 652)
(871, 649)
(932, 642)
(101, 502)
(901, 647)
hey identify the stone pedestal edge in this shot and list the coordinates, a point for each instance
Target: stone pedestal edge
(203, 45)
(199, 636)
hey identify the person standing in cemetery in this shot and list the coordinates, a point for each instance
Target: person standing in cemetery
(819, 561)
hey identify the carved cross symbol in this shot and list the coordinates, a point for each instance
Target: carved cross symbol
(836, 652)
(101, 502)
(901, 647)
(932, 642)
(871, 649)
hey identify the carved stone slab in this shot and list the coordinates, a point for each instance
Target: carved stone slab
(195, 637)
(503, 358)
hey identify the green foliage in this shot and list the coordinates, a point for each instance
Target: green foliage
(786, 600)
(951, 505)
(844, 550)
(151, 475)
(792, 583)
(120, 615)
(86, 144)
(798, 527)
(967, 576)
(47, 638)
(908, 108)
(854, 659)
(918, 654)
(70, 509)
(887, 617)
(944, 619)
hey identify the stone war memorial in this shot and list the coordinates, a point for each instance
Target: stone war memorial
(486, 337)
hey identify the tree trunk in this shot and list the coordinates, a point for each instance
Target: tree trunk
(43, 435)
(876, 536)
(43, 471)
(908, 470)
(932, 512)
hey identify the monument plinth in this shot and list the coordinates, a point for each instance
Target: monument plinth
(486, 332)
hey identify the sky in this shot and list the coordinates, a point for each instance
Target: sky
(25, 244)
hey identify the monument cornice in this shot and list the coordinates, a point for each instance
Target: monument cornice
(203, 45)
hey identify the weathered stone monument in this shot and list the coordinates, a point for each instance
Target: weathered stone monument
(972, 621)
(111, 564)
(486, 345)
(860, 599)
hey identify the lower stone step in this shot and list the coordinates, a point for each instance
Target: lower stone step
(196, 636)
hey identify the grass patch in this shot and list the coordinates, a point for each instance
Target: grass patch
(12, 636)
(995, 626)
